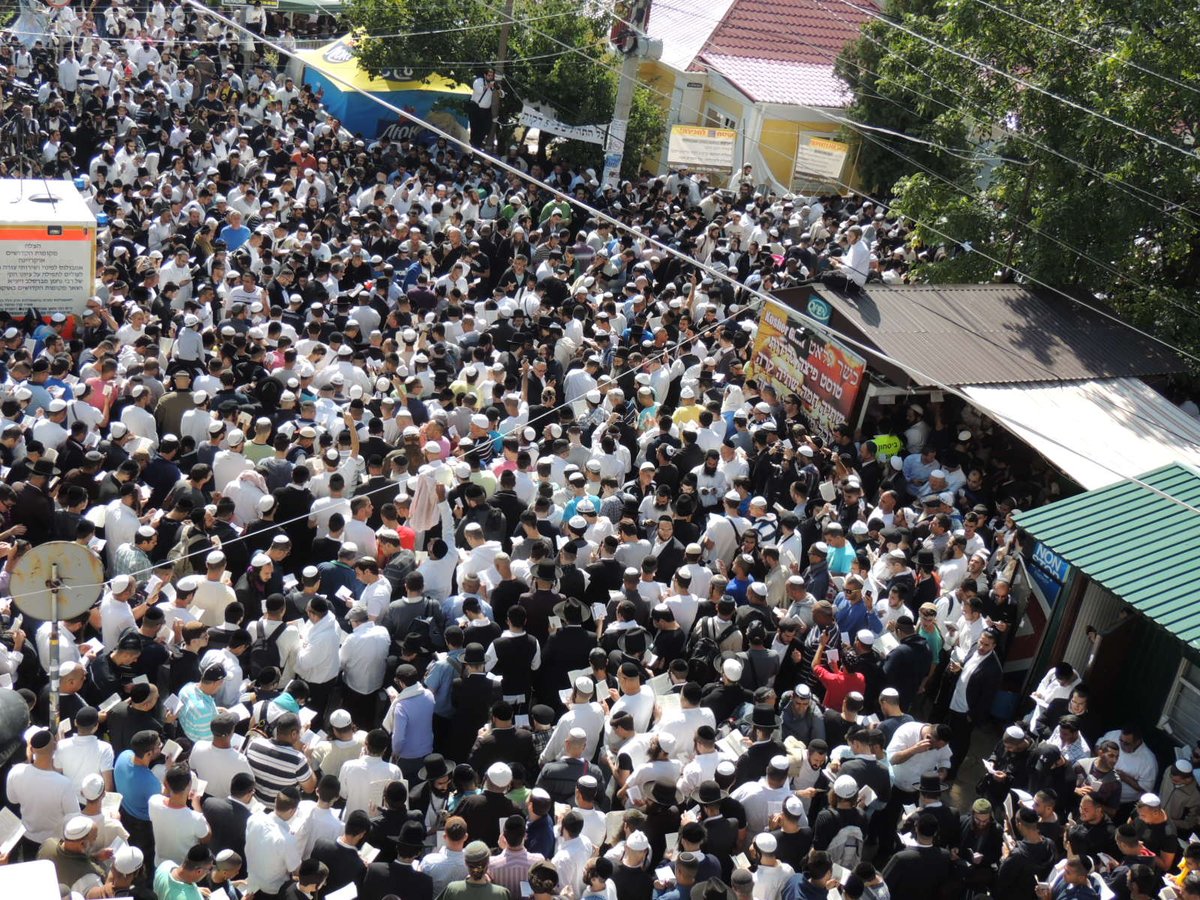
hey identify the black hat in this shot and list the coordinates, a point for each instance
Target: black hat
(546, 572)
(412, 838)
(709, 793)
(931, 783)
(435, 767)
(663, 793)
(412, 643)
(473, 655)
(43, 468)
(764, 717)
(712, 889)
(925, 558)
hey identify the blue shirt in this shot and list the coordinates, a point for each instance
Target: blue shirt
(234, 237)
(854, 617)
(136, 785)
(440, 680)
(737, 588)
(412, 729)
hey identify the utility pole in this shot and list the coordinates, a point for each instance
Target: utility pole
(630, 39)
(501, 59)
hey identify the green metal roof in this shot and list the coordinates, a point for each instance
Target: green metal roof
(1136, 542)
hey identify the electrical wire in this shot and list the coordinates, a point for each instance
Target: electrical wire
(1107, 54)
(1022, 82)
(760, 297)
(1073, 298)
(982, 116)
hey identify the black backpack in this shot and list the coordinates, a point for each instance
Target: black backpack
(706, 650)
(425, 624)
(264, 651)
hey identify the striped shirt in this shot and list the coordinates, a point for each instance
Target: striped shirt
(275, 766)
(199, 709)
(511, 867)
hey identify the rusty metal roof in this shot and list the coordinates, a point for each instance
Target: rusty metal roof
(996, 333)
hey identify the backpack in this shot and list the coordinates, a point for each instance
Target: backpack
(425, 624)
(846, 848)
(264, 651)
(705, 652)
(187, 550)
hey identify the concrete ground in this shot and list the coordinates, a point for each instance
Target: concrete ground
(962, 794)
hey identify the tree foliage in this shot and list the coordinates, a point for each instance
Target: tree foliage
(457, 40)
(1074, 201)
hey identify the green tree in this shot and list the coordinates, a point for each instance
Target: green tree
(457, 40)
(1025, 177)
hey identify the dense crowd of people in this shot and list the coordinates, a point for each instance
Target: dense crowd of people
(450, 550)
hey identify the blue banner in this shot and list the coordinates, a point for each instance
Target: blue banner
(1049, 570)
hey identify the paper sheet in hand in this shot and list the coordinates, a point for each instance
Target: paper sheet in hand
(867, 795)
(521, 721)
(11, 830)
(289, 583)
(555, 623)
(95, 644)
(110, 805)
(367, 853)
(832, 656)
(172, 704)
(344, 593)
(598, 611)
(349, 892)
(612, 825)
(307, 715)
(171, 749)
(142, 679)
(199, 786)
(661, 684)
(665, 875)
(733, 743)
(669, 705)
(240, 711)
(886, 643)
(672, 840)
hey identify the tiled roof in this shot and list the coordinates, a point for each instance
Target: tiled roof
(683, 31)
(794, 31)
(770, 81)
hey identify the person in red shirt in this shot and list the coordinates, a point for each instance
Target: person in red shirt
(838, 681)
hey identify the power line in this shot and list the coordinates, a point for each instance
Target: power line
(1028, 85)
(718, 275)
(982, 116)
(956, 242)
(1107, 54)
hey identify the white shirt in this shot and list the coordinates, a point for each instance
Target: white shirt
(287, 643)
(907, 775)
(115, 617)
(589, 717)
(83, 755)
(317, 660)
(682, 725)
(702, 768)
(228, 465)
(217, 766)
(211, 599)
(363, 656)
(47, 800)
(757, 798)
(769, 880)
(362, 536)
(272, 853)
(1141, 764)
(140, 423)
(639, 705)
(313, 822)
(569, 861)
(363, 782)
(175, 830)
(376, 597)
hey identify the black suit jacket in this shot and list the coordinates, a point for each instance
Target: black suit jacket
(507, 745)
(227, 818)
(982, 687)
(395, 878)
(670, 558)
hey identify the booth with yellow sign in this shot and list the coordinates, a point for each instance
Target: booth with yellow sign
(335, 69)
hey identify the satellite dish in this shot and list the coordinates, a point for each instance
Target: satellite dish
(79, 574)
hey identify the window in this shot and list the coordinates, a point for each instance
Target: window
(715, 118)
(1181, 714)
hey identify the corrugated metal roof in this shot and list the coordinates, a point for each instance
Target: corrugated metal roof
(1137, 426)
(798, 31)
(772, 81)
(683, 31)
(998, 333)
(1135, 542)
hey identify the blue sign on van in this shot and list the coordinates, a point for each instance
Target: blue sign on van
(818, 309)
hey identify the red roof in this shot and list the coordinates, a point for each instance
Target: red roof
(795, 31)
